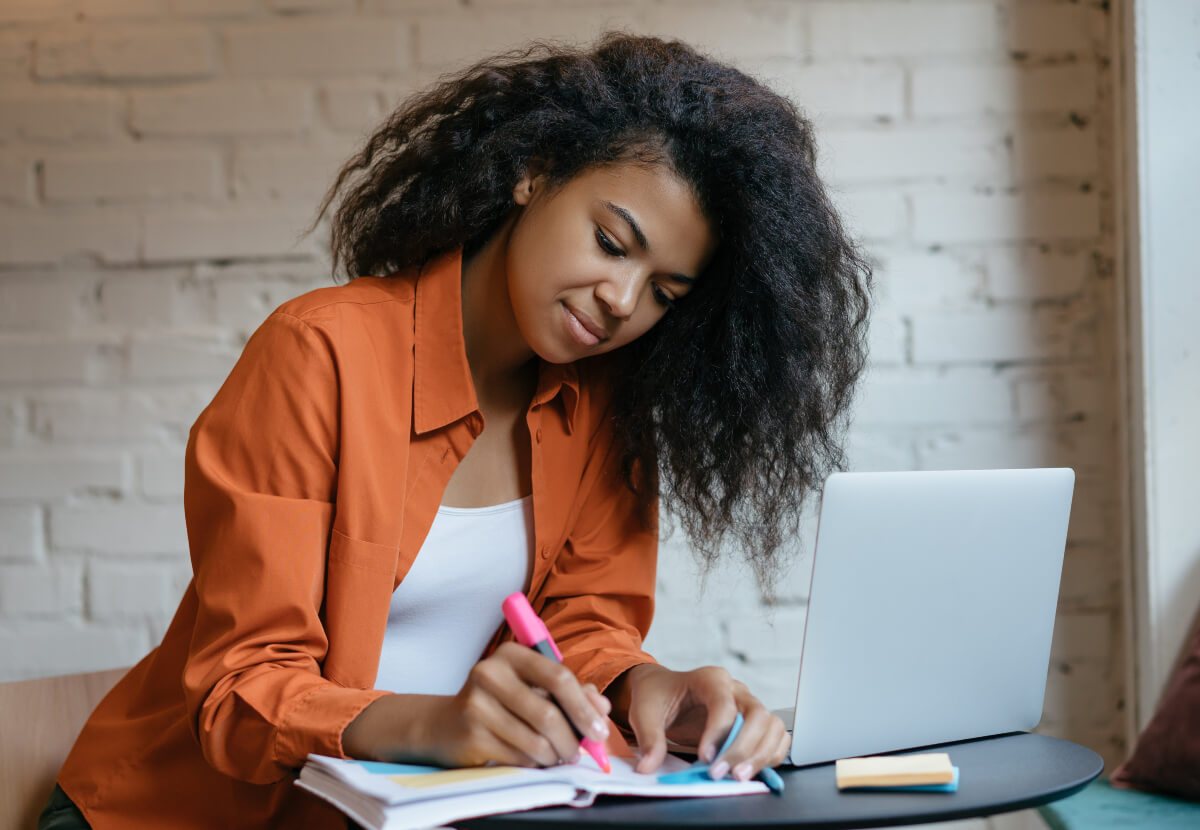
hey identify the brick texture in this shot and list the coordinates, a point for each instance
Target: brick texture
(58, 115)
(20, 534)
(318, 49)
(155, 53)
(16, 55)
(140, 175)
(220, 109)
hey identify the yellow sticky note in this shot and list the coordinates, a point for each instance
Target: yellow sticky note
(894, 770)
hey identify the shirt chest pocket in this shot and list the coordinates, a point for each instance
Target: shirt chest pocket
(358, 591)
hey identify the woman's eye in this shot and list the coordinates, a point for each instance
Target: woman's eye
(662, 297)
(607, 244)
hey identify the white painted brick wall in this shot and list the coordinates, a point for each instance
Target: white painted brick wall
(152, 53)
(160, 475)
(221, 109)
(20, 534)
(16, 55)
(320, 49)
(274, 171)
(40, 238)
(354, 106)
(121, 10)
(214, 9)
(41, 590)
(73, 645)
(1027, 274)
(946, 89)
(158, 299)
(16, 180)
(131, 175)
(912, 30)
(54, 474)
(42, 301)
(57, 114)
(946, 217)
(35, 11)
(119, 529)
(159, 159)
(837, 89)
(992, 336)
(241, 231)
(124, 591)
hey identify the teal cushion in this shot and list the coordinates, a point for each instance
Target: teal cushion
(1099, 806)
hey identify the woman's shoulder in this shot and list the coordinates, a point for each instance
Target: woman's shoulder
(360, 297)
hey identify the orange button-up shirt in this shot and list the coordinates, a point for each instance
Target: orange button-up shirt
(311, 481)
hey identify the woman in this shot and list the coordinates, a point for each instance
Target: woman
(611, 274)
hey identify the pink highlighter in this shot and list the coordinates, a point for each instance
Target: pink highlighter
(530, 631)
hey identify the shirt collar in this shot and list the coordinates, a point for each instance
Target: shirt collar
(443, 391)
(559, 380)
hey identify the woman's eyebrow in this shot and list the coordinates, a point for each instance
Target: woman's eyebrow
(641, 238)
(633, 225)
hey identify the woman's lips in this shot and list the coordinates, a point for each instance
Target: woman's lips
(583, 329)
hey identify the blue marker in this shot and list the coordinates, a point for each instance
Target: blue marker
(698, 772)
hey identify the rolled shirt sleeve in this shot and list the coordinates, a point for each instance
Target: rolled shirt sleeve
(260, 482)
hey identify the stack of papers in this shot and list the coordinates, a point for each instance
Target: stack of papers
(401, 796)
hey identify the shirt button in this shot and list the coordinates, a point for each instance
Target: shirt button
(545, 551)
(538, 435)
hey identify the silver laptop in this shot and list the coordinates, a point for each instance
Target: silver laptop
(931, 609)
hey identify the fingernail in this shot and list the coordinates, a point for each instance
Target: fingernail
(600, 728)
(743, 771)
(718, 770)
(578, 757)
(706, 754)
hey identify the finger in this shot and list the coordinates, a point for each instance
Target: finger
(575, 704)
(782, 749)
(498, 734)
(493, 749)
(769, 750)
(752, 739)
(719, 718)
(716, 691)
(648, 729)
(603, 705)
(540, 716)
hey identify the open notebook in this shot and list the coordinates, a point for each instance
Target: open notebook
(401, 796)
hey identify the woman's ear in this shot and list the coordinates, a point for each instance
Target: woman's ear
(525, 187)
(523, 190)
(530, 182)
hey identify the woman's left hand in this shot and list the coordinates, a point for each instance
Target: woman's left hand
(697, 708)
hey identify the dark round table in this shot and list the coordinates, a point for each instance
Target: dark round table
(997, 774)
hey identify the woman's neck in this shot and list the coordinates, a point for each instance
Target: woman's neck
(501, 362)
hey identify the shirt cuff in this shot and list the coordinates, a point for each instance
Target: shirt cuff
(315, 721)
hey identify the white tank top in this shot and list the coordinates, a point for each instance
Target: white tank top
(447, 608)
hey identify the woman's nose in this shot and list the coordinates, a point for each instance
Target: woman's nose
(619, 293)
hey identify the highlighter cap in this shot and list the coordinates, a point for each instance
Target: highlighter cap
(526, 626)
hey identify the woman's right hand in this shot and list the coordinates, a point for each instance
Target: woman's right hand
(504, 713)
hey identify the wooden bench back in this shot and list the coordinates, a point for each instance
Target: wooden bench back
(39, 720)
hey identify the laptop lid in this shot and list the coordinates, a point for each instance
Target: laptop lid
(931, 609)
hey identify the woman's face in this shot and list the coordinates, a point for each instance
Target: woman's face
(593, 263)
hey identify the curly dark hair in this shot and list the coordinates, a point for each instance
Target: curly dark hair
(733, 405)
